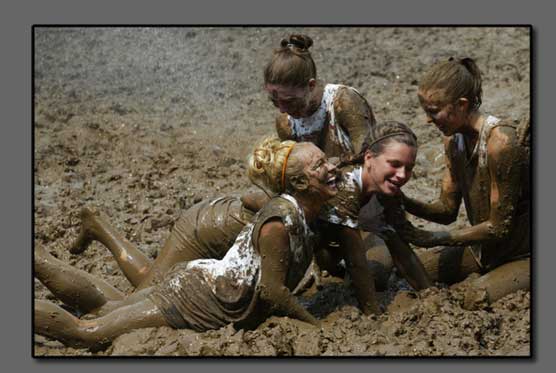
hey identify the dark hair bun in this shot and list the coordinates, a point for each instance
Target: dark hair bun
(298, 41)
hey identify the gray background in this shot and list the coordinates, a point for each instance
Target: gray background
(16, 19)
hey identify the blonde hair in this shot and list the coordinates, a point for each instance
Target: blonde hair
(272, 163)
(291, 64)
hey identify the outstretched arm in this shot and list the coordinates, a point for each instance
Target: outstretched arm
(273, 247)
(445, 209)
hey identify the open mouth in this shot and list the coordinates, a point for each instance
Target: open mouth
(394, 185)
(332, 182)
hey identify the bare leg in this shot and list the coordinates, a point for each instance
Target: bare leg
(171, 253)
(448, 264)
(74, 287)
(95, 226)
(499, 282)
(54, 322)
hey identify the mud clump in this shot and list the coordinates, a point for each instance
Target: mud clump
(145, 122)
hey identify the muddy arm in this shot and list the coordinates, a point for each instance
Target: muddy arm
(254, 201)
(403, 256)
(353, 252)
(355, 116)
(504, 163)
(445, 209)
(273, 246)
(407, 262)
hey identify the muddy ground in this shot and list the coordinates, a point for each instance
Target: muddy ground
(144, 122)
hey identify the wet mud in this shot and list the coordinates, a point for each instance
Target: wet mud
(143, 123)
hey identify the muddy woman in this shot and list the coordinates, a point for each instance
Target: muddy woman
(334, 117)
(384, 165)
(487, 169)
(253, 280)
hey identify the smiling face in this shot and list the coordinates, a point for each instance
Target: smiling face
(449, 118)
(295, 101)
(319, 173)
(388, 172)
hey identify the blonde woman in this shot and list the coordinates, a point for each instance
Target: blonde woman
(253, 280)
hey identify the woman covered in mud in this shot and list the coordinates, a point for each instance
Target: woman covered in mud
(334, 117)
(252, 281)
(487, 168)
(382, 168)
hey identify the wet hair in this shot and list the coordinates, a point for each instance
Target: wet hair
(457, 78)
(381, 135)
(291, 64)
(266, 164)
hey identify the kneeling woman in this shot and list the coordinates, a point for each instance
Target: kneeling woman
(252, 281)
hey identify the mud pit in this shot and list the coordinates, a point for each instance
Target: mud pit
(145, 122)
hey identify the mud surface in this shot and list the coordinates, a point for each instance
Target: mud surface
(145, 122)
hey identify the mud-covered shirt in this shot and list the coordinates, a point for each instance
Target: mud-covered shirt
(209, 293)
(339, 125)
(472, 176)
(348, 207)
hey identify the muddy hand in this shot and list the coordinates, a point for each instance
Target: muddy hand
(422, 238)
(312, 275)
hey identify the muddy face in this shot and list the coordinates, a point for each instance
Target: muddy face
(449, 118)
(389, 171)
(295, 101)
(320, 173)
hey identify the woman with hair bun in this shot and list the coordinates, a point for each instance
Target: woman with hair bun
(252, 281)
(334, 117)
(488, 169)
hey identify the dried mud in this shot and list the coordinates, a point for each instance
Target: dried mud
(145, 122)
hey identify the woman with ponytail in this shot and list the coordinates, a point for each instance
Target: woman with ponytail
(487, 169)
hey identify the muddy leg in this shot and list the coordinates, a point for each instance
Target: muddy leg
(499, 282)
(94, 226)
(118, 303)
(171, 253)
(448, 264)
(54, 322)
(74, 287)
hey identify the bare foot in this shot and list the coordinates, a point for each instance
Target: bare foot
(90, 220)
